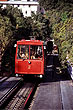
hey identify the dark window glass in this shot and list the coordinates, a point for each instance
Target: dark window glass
(35, 52)
(23, 52)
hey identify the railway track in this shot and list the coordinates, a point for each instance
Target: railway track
(7, 88)
(20, 100)
(2, 79)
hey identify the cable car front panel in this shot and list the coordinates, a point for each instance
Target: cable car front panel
(29, 58)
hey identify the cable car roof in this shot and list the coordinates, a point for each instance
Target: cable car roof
(30, 42)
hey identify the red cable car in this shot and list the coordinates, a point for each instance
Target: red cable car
(29, 58)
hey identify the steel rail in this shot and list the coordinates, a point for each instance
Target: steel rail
(20, 100)
(7, 95)
(3, 79)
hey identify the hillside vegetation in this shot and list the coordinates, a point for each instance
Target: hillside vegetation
(60, 15)
(13, 26)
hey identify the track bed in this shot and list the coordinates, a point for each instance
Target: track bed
(7, 88)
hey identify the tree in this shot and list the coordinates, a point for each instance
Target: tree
(53, 4)
(40, 26)
(63, 38)
(60, 15)
(5, 31)
(13, 26)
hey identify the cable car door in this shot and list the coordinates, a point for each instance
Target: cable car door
(36, 62)
(22, 59)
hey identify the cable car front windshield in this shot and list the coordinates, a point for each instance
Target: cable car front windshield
(23, 52)
(36, 52)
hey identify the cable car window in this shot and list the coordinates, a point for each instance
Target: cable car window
(23, 52)
(35, 52)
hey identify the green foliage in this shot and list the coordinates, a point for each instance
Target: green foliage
(53, 4)
(64, 16)
(40, 26)
(60, 16)
(5, 31)
(13, 26)
(63, 33)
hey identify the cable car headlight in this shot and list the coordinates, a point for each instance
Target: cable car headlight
(15, 45)
(29, 62)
